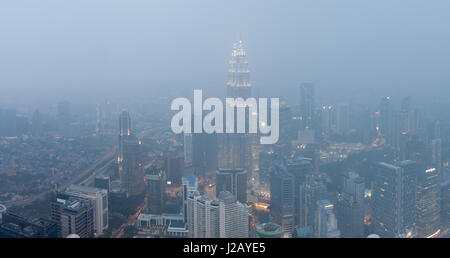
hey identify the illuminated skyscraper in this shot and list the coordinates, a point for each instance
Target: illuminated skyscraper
(124, 131)
(235, 149)
(394, 198)
(428, 211)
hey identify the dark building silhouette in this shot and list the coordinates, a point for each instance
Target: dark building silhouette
(282, 197)
(234, 181)
(156, 191)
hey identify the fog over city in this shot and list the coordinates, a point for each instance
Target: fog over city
(224, 119)
(107, 49)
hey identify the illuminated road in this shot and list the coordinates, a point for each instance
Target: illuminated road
(131, 221)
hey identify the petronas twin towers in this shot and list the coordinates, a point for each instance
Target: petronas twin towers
(235, 150)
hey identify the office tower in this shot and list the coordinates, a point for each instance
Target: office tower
(307, 105)
(235, 149)
(174, 164)
(428, 211)
(436, 149)
(343, 118)
(234, 181)
(187, 148)
(73, 216)
(282, 197)
(156, 190)
(269, 230)
(132, 176)
(190, 185)
(406, 117)
(326, 222)
(311, 191)
(287, 130)
(99, 199)
(15, 226)
(300, 169)
(202, 216)
(124, 132)
(64, 118)
(327, 113)
(350, 215)
(233, 217)
(204, 153)
(354, 185)
(36, 124)
(350, 206)
(394, 197)
(102, 182)
(387, 120)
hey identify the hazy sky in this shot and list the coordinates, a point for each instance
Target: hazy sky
(111, 48)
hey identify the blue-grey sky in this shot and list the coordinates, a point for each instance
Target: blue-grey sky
(60, 49)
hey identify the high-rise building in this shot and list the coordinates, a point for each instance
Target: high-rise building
(350, 215)
(354, 185)
(307, 105)
(428, 221)
(204, 153)
(99, 199)
(233, 217)
(235, 149)
(156, 191)
(234, 181)
(124, 132)
(102, 182)
(387, 119)
(300, 169)
(282, 197)
(190, 185)
(188, 148)
(174, 164)
(326, 222)
(311, 191)
(350, 206)
(394, 197)
(132, 174)
(222, 217)
(73, 216)
(202, 216)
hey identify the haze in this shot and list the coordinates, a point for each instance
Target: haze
(52, 50)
